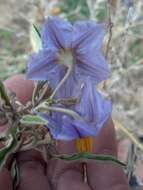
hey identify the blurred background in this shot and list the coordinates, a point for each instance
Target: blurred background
(123, 47)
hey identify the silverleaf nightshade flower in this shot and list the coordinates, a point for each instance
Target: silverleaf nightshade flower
(65, 44)
(77, 47)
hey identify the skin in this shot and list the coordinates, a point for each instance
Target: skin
(57, 174)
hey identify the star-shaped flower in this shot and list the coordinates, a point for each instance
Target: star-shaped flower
(78, 48)
(64, 45)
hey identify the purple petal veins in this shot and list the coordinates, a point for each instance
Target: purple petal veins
(57, 33)
(83, 41)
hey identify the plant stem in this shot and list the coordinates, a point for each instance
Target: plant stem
(62, 81)
(110, 29)
(62, 110)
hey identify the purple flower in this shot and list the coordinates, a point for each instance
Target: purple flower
(94, 110)
(63, 44)
(79, 46)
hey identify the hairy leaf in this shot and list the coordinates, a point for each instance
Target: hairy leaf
(4, 96)
(15, 174)
(11, 144)
(35, 38)
(33, 120)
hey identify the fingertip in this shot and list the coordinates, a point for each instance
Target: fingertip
(103, 175)
(22, 87)
(105, 142)
(107, 176)
(57, 167)
(66, 147)
(71, 180)
(32, 169)
(5, 180)
(29, 156)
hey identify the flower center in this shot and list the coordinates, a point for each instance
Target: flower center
(66, 57)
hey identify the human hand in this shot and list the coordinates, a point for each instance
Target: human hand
(58, 174)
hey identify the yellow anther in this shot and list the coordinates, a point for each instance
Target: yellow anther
(84, 144)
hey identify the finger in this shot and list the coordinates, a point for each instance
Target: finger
(23, 88)
(63, 174)
(32, 170)
(12, 85)
(71, 180)
(104, 175)
(5, 180)
(31, 167)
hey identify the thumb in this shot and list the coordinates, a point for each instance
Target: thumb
(5, 180)
(104, 176)
(31, 164)
(23, 88)
(32, 171)
(16, 84)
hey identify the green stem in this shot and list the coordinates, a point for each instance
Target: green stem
(34, 93)
(46, 106)
(66, 111)
(62, 110)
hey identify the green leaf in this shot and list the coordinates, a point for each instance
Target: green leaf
(11, 145)
(33, 120)
(4, 96)
(15, 174)
(89, 156)
(6, 151)
(35, 38)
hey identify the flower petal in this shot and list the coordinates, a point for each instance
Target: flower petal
(42, 65)
(88, 35)
(71, 87)
(68, 131)
(60, 127)
(53, 125)
(93, 108)
(85, 129)
(92, 64)
(57, 33)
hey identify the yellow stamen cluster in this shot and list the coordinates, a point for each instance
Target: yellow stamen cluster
(84, 144)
